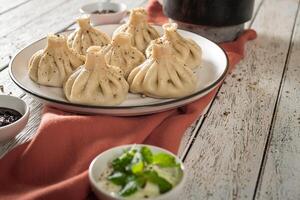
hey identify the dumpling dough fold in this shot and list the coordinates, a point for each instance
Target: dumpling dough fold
(142, 33)
(96, 83)
(162, 75)
(122, 54)
(52, 65)
(85, 36)
(184, 48)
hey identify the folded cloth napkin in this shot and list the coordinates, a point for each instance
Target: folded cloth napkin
(53, 165)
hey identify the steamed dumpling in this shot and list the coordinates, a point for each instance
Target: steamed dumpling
(96, 83)
(52, 65)
(85, 36)
(142, 33)
(184, 48)
(122, 54)
(162, 75)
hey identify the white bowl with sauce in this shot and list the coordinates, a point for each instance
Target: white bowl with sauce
(100, 164)
(105, 12)
(11, 130)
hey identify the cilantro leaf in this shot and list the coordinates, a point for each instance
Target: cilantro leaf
(137, 164)
(118, 178)
(164, 160)
(147, 155)
(130, 188)
(163, 185)
(120, 163)
(141, 181)
(137, 168)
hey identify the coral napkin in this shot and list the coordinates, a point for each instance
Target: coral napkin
(53, 165)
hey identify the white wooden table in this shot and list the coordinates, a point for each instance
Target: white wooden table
(247, 145)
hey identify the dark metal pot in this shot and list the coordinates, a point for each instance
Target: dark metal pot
(219, 20)
(210, 12)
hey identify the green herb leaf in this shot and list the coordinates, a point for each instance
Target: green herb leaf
(137, 168)
(137, 164)
(141, 181)
(118, 178)
(164, 160)
(120, 163)
(147, 155)
(130, 188)
(163, 184)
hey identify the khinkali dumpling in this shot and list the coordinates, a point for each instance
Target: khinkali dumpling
(96, 83)
(142, 33)
(52, 65)
(85, 36)
(122, 54)
(162, 75)
(184, 48)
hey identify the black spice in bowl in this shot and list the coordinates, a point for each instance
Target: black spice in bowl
(8, 116)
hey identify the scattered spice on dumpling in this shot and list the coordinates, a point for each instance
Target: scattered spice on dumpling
(163, 75)
(52, 65)
(85, 36)
(96, 83)
(142, 32)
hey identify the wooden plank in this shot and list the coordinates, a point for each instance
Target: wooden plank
(51, 22)
(29, 130)
(225, 158)
(8, 85)
(281, 176)
(6, 6)
(191, 133)
(26, 13)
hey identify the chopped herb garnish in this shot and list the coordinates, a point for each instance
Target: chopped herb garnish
(164, 160)
(147, 155)
(118, 178)
(138, 167)
(163, 184)
(130, 188)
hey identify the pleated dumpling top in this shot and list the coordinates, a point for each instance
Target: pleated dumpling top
(142, 33)
(96, 83)
(162, 75)
(85, 36)
(122, 54)
(52, 65)
(184, 48)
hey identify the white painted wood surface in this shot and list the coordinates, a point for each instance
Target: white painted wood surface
(223, 150)
(281, 170)
(225, 159)
(6, 6)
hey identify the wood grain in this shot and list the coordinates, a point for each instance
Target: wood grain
(281, 174)
(225, 158)
(191, 133)
(6, 6)
(8, 85)
(50, 22)
(26, 13)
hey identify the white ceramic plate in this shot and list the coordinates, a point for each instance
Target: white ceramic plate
(211, 72)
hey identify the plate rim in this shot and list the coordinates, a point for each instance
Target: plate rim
(208, 88)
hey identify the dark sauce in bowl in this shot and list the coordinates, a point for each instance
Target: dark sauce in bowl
(103, 11)
(8, 116)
